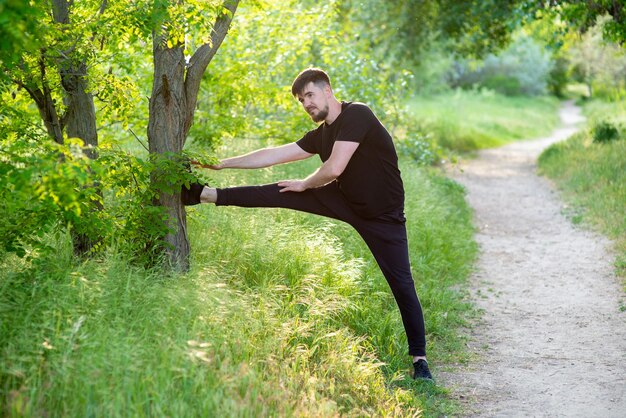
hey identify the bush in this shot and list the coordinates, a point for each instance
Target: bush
(50, 187)
(504, 84)
(419, 148)
(524, 61)
(558, 78)
(597, 63)
(604, 131)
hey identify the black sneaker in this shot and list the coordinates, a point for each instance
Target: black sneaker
(191, 196)
(421, 370)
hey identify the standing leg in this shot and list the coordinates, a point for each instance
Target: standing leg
(387, 240)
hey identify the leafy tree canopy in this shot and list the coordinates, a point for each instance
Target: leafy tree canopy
(586, 13)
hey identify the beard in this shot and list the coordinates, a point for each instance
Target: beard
(321, 115)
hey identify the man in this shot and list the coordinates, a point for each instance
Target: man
(359, 183)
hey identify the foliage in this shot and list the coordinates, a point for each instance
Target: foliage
(43, 185)
(400, 31)
(67, 43)
(46, 185)
(585, 14)
(38, 181)
(558, 78)
(604, 131)
(419, 148)
(598, 63)
(504, 84)
(259, 104)
(556, 37)
(523, 68)
(18, 30)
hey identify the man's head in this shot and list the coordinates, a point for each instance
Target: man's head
(310, 75)
(312, 88)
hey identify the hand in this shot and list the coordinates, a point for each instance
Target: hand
(292, 186)
(212, 167)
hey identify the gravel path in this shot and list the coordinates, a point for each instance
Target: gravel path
(552, 340)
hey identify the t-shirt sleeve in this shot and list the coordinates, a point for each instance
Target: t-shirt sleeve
(309, 142)
(355, 124)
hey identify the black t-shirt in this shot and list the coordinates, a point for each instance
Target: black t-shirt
(371, 181)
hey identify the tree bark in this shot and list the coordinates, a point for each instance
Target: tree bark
(48, 112)
(79, 119)
(80, 116)
(168, 106)
(172, 106)
(45, 104)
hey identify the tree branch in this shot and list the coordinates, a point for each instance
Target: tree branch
(35, 94)
(203, 56)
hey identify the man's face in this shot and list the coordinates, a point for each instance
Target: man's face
(314, 99)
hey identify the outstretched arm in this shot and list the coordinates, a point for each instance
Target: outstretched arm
(265, 157)
(329, 171)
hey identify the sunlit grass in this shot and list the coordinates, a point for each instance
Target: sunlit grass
(593, 177)
(283, 314)
(601, 110)
(464, 121)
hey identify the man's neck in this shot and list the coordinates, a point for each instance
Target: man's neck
(334, 109)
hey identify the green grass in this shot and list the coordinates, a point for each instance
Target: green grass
(464, 121)
(602, 110)
(592, 177)
(283, 314)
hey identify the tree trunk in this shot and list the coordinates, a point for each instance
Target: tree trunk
(79, 120)
(168, 108)
(172, 106)
(80, 117)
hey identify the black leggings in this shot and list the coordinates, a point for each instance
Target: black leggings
(385, 236)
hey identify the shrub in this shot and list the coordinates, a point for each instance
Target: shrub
(524, 61)
(504, 84)
(48, 186)
(419, 148)
(558, 77)
(604, 131)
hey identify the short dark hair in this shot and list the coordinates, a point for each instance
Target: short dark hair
(310, 75)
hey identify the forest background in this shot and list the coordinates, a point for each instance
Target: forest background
(113, 304)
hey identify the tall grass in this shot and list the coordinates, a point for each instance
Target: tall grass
(284, 314)
(465, 121)
(592, 177)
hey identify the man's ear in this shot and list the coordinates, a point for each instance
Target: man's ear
(328, 90)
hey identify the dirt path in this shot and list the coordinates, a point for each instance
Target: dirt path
(552, 341)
